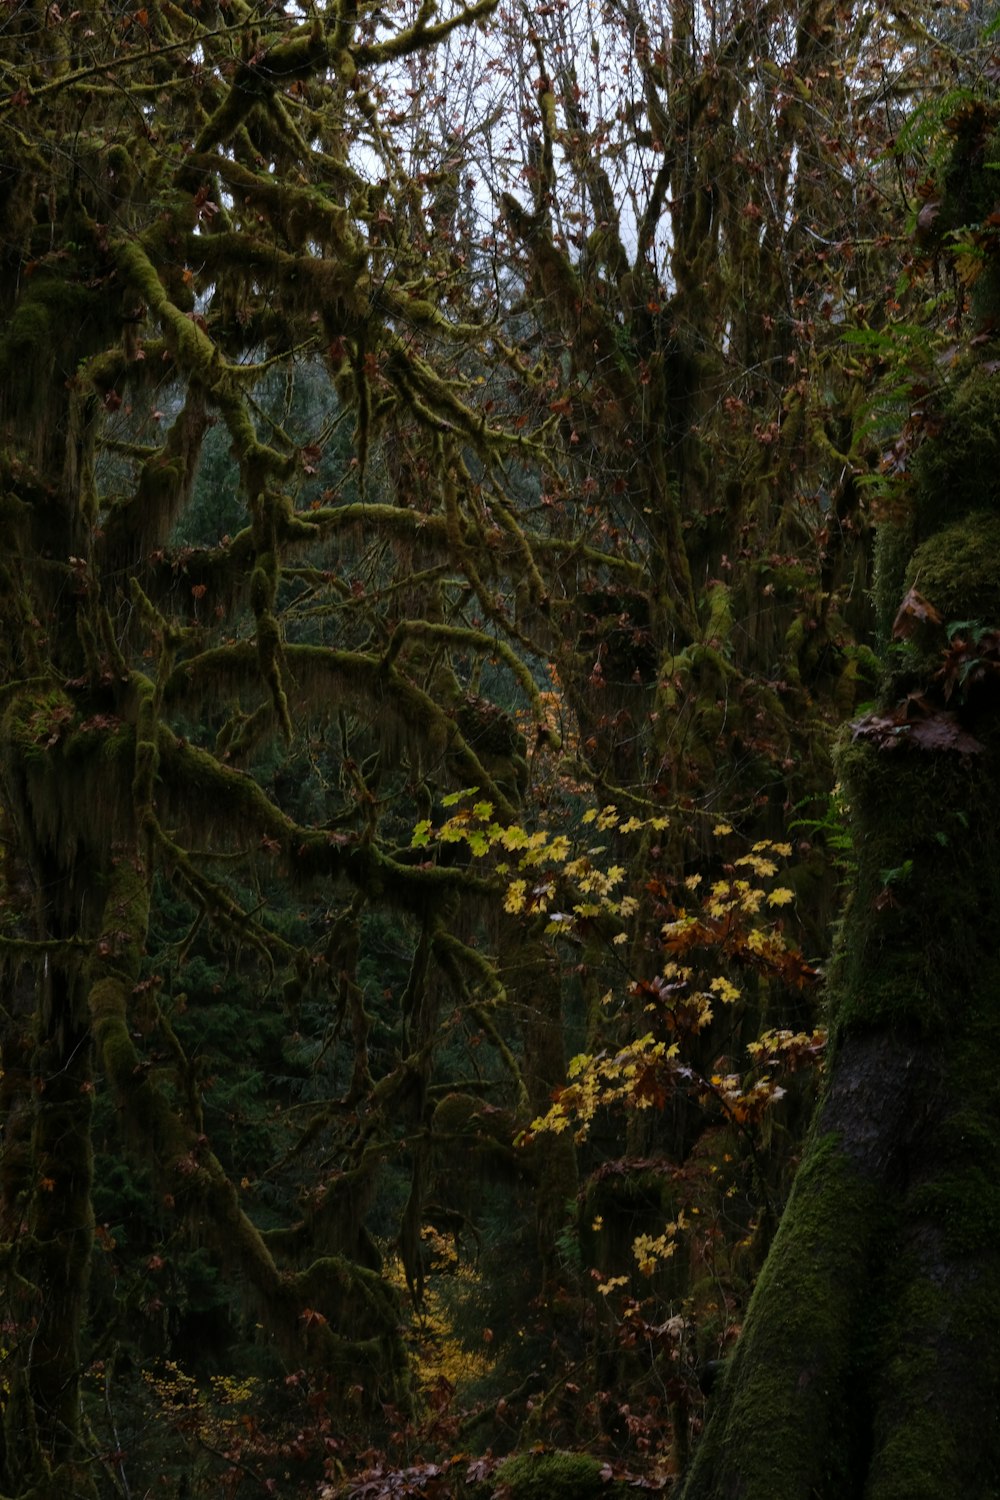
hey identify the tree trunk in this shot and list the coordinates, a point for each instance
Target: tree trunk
(869, 1364)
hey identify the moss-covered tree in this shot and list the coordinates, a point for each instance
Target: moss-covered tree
(868, 1364)
(197, 201)
(694, 224)
(248, 640)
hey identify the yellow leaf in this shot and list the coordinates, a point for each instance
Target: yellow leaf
(514, 899)
(605, 1287)
(726, 992)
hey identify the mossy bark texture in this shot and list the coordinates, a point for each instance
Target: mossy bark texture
(106, 647)
(869, 1364)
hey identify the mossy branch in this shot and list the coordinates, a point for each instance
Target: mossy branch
(421, 36)
(195, 777)
(184, 1164)
(202, 361)
(298, 58)
(473, 640)
(116, 64)
(368, 679)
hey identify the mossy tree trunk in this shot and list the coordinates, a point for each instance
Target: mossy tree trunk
(869, 1363)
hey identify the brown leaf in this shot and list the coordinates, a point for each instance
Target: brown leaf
(932, 731)
(927, 216)
(914, 611)
(943, 732)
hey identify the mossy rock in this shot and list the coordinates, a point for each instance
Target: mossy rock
(554, 1476)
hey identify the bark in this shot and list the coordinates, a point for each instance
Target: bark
(868, 1364)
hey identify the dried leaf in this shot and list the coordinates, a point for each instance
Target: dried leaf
(886, 731)
(944, 732)
(932, 731)
(914, 611)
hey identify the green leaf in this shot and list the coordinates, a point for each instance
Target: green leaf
(455, 797)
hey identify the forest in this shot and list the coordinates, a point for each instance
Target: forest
(499, 749)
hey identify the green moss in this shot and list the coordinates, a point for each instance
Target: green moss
(48, 313)
(966, 1206)
(784, 1422)
(957, 568)
(795, 637)
(457, 1114)
(719, 625)
(909, 902)
(916, 1456)
(938, 1360)
(553, 1476)
(262, 582)
(959, 471)
(846, 688)
(893, 549)
(35, 721)
(908, 958)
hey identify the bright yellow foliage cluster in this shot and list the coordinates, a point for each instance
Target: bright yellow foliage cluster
(216, 1413)
(727, 927)
(440, 1353)
(596, 886)
(650, 1250)
(718, 930)
(598, 1081)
